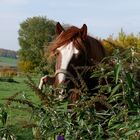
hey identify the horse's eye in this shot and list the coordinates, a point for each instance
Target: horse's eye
(76, 55)
(56, 53)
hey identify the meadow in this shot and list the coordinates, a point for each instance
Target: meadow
(17, 113)
(4, 61)
(12, 85)
(18, 85)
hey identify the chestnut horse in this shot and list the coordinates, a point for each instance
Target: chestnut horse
(73, 47)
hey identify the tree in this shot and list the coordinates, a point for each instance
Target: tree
(34, 34)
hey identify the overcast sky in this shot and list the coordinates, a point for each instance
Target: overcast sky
(103, 17)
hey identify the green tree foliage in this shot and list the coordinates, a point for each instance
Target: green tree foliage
(34, 34)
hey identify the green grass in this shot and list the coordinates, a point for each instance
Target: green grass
(9, 88)
(4, 61)
(18, 114)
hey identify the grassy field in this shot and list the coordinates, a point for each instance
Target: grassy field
(4, 61)
(9, 88)
(17, 113)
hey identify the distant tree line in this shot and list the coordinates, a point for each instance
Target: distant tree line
(8, 53)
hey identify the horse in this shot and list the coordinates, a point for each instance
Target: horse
(73, 47)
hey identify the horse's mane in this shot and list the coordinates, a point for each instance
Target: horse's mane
(72, 34)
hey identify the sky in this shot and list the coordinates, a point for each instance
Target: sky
(103, 17)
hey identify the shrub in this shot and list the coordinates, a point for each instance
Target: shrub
(7, 71)
(26, 66)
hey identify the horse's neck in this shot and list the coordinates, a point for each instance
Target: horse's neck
(95, 51)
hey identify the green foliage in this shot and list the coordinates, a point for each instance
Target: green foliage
(17, 114)
(26, 66)
(122, 41)
(6, 132)
(34, 34)
(110, 112)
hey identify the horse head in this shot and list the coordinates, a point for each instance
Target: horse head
(72, 47)
(68, 49)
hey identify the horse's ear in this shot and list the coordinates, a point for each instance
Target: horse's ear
(83, 31)
(59, 28)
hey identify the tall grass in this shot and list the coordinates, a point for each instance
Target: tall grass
(112, 112)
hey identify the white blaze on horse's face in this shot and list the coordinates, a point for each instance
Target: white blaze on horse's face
(67, 52)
